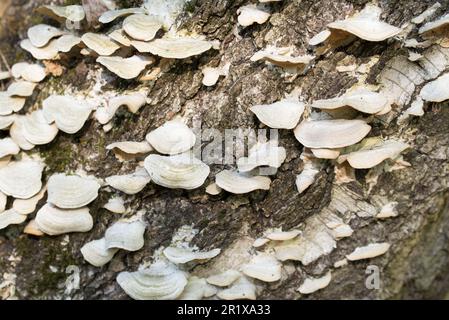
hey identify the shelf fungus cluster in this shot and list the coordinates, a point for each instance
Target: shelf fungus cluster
(365, 25)
(144, 41)
(125, 234)
(21, 180)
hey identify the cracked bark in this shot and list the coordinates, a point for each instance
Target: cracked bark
(415, 266)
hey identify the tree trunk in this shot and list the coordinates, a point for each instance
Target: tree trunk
(414, 267)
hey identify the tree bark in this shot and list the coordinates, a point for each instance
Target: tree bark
(415, 266)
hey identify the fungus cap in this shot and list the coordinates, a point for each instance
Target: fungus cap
(96, 253)
(370, 251)
(183, 255)
(126, 68)
(126, 235)
(181, 171)
(224, 279)
(141, 26)
(239, 183)
(172, 137)
(100, 43)
(41, 34)
(250, 14)
(28, 72)
(161, 281)
(284, 114)
(331, 133)
(68, 113)
(71, 192)
(36, 129)
(54, 221)
(21, 179)
(130, 183)
(178, 48)
(311, 285)
(111, 15)
(264, 267)
(48, 52)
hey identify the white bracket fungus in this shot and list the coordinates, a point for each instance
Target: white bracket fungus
(48, 52)
(70, 192)
(213, 189)
(41, 34)
(362, 100)
(21, 179)
(115, 205)
(36, 129)
(388, 211)
(6, 121)
(197, 289)
(183, 255)
(178, 48)
(250, 14)
(325, 153)
(133, 102)
(282, 235)
(161, 281)
(211, 75)
(239, 183)
(130, 183)
(365, 25)
(315, 241)
(331, 133)
(10, 217)
(17, 133)
(8, 147)
(224, 279)
(264, 267)
(100, 43)
(3, 201)
(119, 36)
(32, 229)
(284, 114)
(126, 68)
(73, 13)
(111, 15)
(54, 221)
(125, 234)
(141, 26)
(21, 88)
(307, 176)
(311, 285)
(262, 154)
(28, 72)
(172, 137)
(67, 42)
(181, 171)
(27, 206)
(96, 253)
(374, 155)
(10, 104)
(241, 289)
(283, 57)
(126, 150)
(370, 251)
(437, 90)
(68, 113)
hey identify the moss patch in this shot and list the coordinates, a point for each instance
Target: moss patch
(57, 159)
